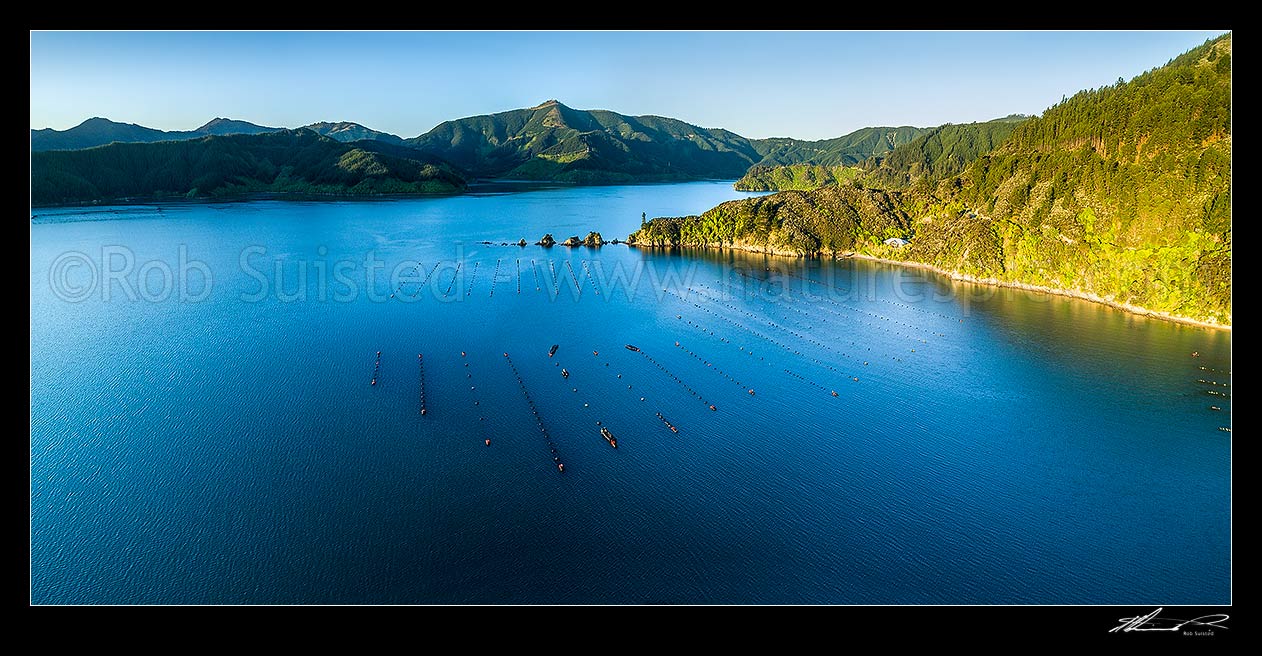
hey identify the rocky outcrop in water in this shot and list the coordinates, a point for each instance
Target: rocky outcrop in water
(593, 240)
(547, 241)
(572, 242)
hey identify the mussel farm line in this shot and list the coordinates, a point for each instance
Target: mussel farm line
(590, 278)
(578, 289)
(750, 352)
(454, 275)
(714, 368)
(420, 366)
(421, 285)
(556, 283)
(806, 338)
(677, 379)
(473, 279)
(415, 267)
(769, 340)
(473, 392)
(556, 458)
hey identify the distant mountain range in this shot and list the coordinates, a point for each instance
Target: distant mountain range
(346, 131)
(549, 141)
(283, 161)
(101, 131)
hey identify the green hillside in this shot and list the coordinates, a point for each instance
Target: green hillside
(289, 161)
(940, 153)
(1123, 192)
(930, 156)
(800, 177)
(846, 150)
(555, 142)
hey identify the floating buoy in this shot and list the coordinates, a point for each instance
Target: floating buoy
(713, 408)
(488, 442)
(751, 392)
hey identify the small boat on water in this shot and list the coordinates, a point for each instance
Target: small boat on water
(604, 432)
(565, 373)
(553, 351)
(633, 348)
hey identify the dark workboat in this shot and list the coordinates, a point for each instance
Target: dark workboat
(633, 348)
(604, 432)
(553, 351)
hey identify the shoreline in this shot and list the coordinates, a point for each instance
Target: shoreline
(964, 277)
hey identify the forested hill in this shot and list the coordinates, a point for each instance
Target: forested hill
(932, 155)
(846, 150)
(554, 142)
(1123, 192)
(940, 153)
(289, 161)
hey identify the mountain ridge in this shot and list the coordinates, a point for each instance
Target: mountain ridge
(218, 166)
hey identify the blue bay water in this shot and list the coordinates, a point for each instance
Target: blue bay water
(998, 446)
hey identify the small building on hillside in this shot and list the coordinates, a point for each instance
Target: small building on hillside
(896, 242)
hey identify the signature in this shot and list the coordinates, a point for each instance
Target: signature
(1151, 622)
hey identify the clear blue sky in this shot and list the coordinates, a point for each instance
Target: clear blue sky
(808, 85)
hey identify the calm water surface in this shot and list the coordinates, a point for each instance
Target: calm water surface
(228, 447)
